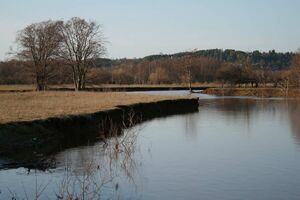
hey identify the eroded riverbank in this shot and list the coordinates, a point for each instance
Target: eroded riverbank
(246, 148)
(26, 142)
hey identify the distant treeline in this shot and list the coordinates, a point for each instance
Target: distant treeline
(226, 66)
(272, 60)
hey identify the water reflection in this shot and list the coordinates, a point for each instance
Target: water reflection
(89, 172)
(294, 118)
(231, 149)
(248, 110)
(190, 124)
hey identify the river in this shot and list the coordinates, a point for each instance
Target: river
(233, 148)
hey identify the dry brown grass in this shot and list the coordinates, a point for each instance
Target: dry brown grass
(258, 92)
(156, 85)
(16, 87)
(41, 105)
(4, 88)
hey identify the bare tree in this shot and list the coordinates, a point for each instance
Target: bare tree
(188, 71)
(82, 42)
(39, 43)
(294, 69)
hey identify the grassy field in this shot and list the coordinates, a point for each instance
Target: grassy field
(7, 88)
(16, 87)
(41, 105)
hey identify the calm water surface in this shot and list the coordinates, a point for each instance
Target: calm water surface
(233, 148)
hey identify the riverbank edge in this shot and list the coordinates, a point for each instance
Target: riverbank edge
(115, 89)
(53, 134)
(257, 92)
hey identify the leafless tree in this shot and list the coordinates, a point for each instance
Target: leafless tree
(82, 42)
(188, 71)
(39, 43)
(294, 69)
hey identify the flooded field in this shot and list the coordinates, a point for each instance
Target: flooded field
(233, 148)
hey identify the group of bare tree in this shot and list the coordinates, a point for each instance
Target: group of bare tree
(75, 43)
(64, 52)
(183, 70)
(164, 71)
(294, 72)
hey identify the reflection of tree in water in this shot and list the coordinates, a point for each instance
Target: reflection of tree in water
(293, 108)
(100, 168)
(236, 107)
(233, 109)
(246, 110)
(249, 109)
(96, 171)
(190, 124)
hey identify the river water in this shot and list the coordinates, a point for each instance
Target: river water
(233, 148)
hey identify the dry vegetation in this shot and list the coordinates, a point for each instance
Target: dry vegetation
(156, 85)
(41, 105)
(6, 88)
(258, 92)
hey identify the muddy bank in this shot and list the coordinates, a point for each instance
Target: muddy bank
(258, 92)
(23, 143)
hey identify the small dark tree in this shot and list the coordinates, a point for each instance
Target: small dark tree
(39, 43)
(294, 74)
(82, 42)
(229, 73)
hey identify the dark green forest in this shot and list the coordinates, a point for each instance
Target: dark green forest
(271, 60)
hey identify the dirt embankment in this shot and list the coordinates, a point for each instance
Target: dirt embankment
(25, 141)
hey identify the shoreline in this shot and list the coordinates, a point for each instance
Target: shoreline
(257, 92)
(107, 88)
(112, 89)
(30, 141)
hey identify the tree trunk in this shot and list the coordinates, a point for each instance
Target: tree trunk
(40, 84)
(79, 83)
(83, 81)
(75, 79)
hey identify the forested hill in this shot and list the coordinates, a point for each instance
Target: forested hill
(271, 59)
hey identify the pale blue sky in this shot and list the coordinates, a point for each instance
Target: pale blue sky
(136, 28)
